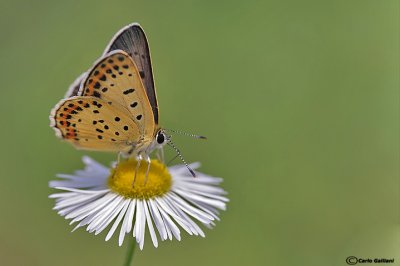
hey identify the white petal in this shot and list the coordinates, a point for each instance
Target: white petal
(201, 194)
(198, 214)
(167, 209)
(199, 187)
(84, 207)
(205, 207)
(130, 216)
(180, 169)
(150, 225)
(118, 220)
(93, 165)
(192, 225)
(102, 215)
(213, 202)
(83, 191)
(127, 220)
(110, 217)
(157, 219)
(94, 208)
(169, 224)
(62, 195)
(127, 223)
(140, 224)
(73, 201)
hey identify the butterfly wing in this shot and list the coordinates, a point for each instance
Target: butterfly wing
(133, 41)
(116, 80)
(92, 123)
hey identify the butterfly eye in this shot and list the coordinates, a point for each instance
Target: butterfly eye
(160, 138)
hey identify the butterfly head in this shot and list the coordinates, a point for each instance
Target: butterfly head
(160, 138)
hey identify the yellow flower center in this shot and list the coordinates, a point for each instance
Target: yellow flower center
(157, 183)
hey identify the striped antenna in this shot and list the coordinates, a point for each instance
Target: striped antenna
(170, 143)
(186, 134)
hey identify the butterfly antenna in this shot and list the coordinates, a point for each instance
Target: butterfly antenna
(186, 134)
(170, 143)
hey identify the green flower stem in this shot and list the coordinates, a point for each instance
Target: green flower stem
(131, 250)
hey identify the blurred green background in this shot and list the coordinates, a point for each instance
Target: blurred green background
(299, 99)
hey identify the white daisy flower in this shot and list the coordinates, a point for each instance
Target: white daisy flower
(97, 196)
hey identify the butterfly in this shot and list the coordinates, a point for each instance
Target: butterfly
(113, 106)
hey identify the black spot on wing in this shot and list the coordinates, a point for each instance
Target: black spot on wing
(129, 91)
(96, 94)
(97, 85)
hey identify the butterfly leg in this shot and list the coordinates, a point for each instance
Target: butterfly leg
(160, 154)
(119, 157)
(139, 159)
(148, 160)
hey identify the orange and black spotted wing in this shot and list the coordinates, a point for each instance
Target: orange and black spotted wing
(112, 111)
(133, 41)
(115, 79)
(93, 124)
